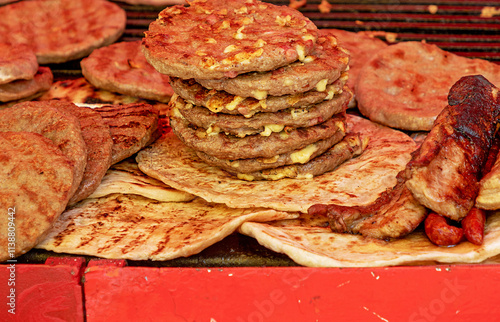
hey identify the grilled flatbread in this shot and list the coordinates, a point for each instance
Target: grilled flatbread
(358, 181)
(310, 242)
(126, 178)
(489, 189)
(62, 30)
(137, 228)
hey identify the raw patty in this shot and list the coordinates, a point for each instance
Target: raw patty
(406, 85)
(223, 102)
(20, 89)
(254, 146)
(215, 39)
(122, 68)
(16, 62)
(62, 30)
(241, 126)
(35, 183)
(62, 128)
(361, 47)
(323, 67)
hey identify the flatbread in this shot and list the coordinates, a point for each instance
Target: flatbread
(215, 39)
(20, 89)
(353, 183)
(310, 243)
(489, 189)
(126, 178)
(62, 30)
(406, 85)
(35, 182)
(60, 127)
(122, 68)
(16, 62)
(137, 228)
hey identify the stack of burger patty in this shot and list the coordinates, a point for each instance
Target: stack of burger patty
(259, 90)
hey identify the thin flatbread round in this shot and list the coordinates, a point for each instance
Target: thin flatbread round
(126, 178)
(255, 146)
(122, 68)
(60, 127)
(406, 85)
(223, 102)
(137, 228)
(310, 244)
(325, 65)
(294, 117)
(489, 189)
(16, 62)
(35, 182)
(215, 39)
(20, 89)
(62, 30)
(359, 181)
(98, 142)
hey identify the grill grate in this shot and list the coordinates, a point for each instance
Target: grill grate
(460, 27)
(456, 26)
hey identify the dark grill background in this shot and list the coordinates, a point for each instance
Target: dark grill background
(457, 26)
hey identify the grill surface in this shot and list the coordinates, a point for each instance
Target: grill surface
(460, 27)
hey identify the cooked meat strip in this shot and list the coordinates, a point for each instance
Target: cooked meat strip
(394, 214)
(444, 172)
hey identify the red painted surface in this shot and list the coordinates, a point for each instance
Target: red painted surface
(115, 292)
(426, 293)
(37, 292)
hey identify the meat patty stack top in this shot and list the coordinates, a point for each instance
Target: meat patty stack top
(259, 90)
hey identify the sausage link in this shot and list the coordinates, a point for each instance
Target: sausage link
(473, 226)
(319, 210)
(440, 232)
